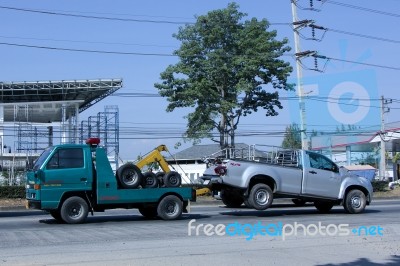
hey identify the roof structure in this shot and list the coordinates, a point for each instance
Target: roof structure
(45, 99)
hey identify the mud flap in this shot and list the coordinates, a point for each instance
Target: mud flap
(186, 206)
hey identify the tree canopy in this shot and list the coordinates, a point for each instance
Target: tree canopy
(227, 68)
(292, 137)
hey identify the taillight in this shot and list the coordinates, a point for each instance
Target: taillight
(220, 170)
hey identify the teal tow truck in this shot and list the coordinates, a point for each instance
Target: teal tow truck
(71, 180)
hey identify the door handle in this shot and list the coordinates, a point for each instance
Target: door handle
(312, 172)
(83, 179)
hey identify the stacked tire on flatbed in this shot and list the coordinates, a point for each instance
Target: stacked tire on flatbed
(130, 176)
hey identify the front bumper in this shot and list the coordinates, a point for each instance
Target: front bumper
(33, 204)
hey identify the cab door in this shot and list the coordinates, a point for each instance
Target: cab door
(321, 177)
(65, 171)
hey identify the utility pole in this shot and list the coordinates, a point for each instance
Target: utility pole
(382, 164)
(304, 141)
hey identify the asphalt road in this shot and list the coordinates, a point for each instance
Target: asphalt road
(124, 237)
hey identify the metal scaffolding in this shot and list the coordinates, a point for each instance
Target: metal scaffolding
(43, 113)
(105, 125)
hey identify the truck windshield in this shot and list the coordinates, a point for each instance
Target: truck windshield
(39, 161)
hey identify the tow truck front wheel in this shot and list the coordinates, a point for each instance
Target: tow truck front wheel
(74, 210)
(170, 208)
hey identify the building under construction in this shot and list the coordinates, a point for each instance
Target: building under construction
(35, 115)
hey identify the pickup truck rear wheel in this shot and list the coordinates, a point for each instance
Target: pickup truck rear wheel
(355, 201)
(323, 206)
(231, 198)
(260, 197)
(170, 208)
(129, 175)
(74, 210)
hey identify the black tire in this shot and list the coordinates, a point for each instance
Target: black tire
(149, 212)
(160, 176)
(323, 206)
(74, 210)
(247, 203)
(231, 198)
(149, 180)
(170, 208)
(172, 179)
(56, 215)
(261, 197)
(299, 202)
(129, 175)
(355, 201)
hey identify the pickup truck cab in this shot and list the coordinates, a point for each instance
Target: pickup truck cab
(301, 175)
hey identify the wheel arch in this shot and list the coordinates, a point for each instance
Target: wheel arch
(83, 194)
(264, 179)
(361, 188)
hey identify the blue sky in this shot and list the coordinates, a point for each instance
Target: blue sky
(140, 72)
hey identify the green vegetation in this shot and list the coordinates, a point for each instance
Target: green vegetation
(12, 192)
(228, 68)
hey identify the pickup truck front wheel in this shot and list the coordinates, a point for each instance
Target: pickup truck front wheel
(260, 197)
(355, 201)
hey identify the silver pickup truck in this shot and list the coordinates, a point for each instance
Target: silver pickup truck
(303, 176)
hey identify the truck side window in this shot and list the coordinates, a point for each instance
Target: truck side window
(66, 158)
(320, 162)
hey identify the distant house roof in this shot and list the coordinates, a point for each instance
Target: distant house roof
(197, 152)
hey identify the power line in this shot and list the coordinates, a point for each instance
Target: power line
(83, 50)
(364, 36)
(90, 42)
(362, 63)
(361, 8)
(48, 12)
(94, 17)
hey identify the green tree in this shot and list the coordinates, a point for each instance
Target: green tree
(292, 137)
(227, 68)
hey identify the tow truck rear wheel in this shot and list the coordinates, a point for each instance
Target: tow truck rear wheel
(355, 201)
(74, 210)
(129, 175)
(149, 212)
(260, 197)
(170, 208)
